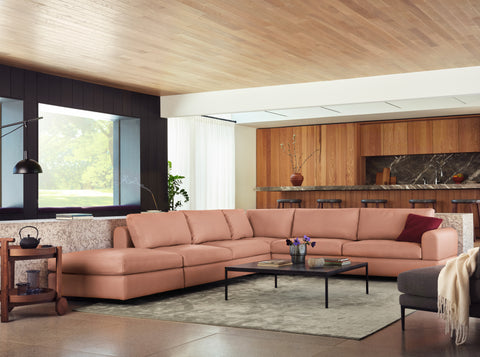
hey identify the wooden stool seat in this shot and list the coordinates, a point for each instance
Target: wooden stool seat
(377, 202)
(291, 201)
(331, 201)
(425, 202)
(467, 201)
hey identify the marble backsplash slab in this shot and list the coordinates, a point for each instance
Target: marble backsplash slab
(414, 169)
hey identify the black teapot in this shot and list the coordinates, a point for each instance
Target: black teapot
(28, 242)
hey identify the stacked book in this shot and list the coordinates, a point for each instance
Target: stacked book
(74, 216)
(337, 261)
(274, 263)
(321, 262)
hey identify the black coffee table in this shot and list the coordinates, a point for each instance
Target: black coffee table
(297, 269)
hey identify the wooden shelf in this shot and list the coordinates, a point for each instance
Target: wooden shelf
(45, 295)
(18, 253)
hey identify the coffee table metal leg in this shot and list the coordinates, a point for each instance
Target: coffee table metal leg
(275, 281)
(366, 277)
(226, 284)
(326, 292)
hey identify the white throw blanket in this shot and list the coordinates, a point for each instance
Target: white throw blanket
(454, 293)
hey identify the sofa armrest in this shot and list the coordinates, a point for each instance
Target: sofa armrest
(121, 238)
(439, 244)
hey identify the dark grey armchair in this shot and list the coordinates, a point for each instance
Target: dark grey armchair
(419, 290)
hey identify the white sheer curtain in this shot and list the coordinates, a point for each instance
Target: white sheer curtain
(203, 150)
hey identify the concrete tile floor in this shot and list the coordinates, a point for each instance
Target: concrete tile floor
(37, 331)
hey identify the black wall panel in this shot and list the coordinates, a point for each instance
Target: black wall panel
(34, 88)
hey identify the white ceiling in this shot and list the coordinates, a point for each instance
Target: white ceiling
(382, 110)
(407, 95)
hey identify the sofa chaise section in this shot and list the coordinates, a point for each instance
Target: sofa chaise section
(121, 274)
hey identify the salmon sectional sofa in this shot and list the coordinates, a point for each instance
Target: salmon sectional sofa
(164, 251)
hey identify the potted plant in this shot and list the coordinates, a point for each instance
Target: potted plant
(298, 249)
(174, 189)
(296, 162)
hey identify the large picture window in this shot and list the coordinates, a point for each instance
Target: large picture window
(81, 156)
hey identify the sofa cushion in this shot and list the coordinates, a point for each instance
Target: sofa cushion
(159, 229)
(416, 225)
(199, 254)
(326, 223)
(382, 249)
(117, 261)
(207, 225)
(324, 246)
(238, 223)
(242, 248)
(275, 223)
(420, 282)
(423, 282)
(386, 223)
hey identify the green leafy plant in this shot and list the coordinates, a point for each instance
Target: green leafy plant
(174, 189)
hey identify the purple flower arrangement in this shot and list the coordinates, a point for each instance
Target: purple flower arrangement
(306, 240)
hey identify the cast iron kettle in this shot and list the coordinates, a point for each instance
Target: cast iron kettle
(28, 242)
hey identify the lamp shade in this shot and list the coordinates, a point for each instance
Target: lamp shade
(27, 166)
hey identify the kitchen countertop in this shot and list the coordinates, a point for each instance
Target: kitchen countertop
(466, 186)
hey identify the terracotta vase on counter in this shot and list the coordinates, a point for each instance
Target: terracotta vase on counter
(296, 179)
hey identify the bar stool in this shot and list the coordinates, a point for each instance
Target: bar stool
(426, 202)
(471, 202)
(332, 201)
(377, 202)
(281, 202)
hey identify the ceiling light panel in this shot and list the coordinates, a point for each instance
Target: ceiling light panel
(469, 99)
(301, 113)
(428, 103)
(253, 117)
(362, 108)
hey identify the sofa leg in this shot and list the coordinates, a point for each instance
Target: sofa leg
(402, 312)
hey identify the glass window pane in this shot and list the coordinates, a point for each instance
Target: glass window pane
(76, 154)
(11, 111)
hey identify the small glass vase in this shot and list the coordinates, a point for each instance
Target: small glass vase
(298, 253)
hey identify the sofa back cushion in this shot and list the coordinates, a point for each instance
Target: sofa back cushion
(238, 223)
(386, 223)
(207, 225)
(276, 223)
(326, 223)
(159, 229)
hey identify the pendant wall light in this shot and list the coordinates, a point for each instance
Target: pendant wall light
(25, 166)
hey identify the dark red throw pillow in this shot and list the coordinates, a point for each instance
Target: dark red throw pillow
(416, 225)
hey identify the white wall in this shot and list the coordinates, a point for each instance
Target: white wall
(245, 167)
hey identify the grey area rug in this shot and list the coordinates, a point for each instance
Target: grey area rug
(297, 305)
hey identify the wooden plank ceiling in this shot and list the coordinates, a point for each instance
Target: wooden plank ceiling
(164, 47)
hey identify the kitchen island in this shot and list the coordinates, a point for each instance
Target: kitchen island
(397, 196)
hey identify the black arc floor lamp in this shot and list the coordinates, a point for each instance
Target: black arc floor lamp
(25, 166)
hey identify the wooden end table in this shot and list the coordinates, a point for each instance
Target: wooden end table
(9, 297)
